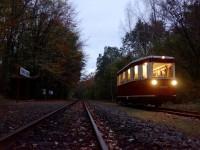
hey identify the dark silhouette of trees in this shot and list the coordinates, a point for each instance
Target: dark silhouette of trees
(102, 83)
(105, 77)
(184, 34)
(86, 88)
(40, 35)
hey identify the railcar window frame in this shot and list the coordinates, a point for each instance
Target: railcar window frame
(140, 72)
(132, 73)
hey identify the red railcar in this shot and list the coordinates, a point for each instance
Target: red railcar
(148, 80)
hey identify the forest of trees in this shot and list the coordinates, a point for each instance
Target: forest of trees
(43, 37)
(173, 29)
(40, 35)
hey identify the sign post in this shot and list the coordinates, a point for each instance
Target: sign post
(25, 73)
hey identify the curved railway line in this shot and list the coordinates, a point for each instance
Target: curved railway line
(8, 140)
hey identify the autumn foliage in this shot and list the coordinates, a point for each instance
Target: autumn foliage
(40, 35)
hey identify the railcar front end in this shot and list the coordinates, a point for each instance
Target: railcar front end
(149, 80)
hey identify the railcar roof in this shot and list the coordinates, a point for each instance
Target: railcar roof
(151, 58)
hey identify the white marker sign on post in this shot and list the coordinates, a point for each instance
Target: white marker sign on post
(24, 72)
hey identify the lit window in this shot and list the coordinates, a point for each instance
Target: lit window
(144, 70)
(135, 72)
(129, 74)
(163, 70)
(124, 75)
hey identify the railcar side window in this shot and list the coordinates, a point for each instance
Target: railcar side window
(136, 72)
(144, 71)
(124, 76)
(163, 70)
(129, 74)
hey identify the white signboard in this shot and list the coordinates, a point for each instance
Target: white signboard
(24, 72)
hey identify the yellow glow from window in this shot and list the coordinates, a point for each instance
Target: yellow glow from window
(135, 72)
(163, 70)
(124, 75)
(136, 69)
(129, 74)
(144, 70)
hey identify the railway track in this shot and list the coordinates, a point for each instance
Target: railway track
(79, 126)
(6, 140)
(27, 136)
(98, 133)
(107, 138)
(195, 115)
(179, 112)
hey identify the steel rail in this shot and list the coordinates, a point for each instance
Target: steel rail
(179, 112)
(99, 136)
(184, 111)
(9, 138)
(171, 111)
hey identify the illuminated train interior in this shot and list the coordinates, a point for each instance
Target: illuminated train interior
(148, 70)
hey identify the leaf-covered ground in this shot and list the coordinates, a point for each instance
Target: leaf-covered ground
(189, 126)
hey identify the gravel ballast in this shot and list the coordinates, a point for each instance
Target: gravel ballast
(139, 134)
(68, 129)
(16, 115)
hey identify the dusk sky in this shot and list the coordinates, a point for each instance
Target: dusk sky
(100, 22)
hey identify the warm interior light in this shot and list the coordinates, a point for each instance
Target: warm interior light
(174, 82)
(154, 82)
(144, 70)
(129, 74)
(135, 72)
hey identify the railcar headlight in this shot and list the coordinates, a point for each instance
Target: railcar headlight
(174, 82)
(154, 82)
